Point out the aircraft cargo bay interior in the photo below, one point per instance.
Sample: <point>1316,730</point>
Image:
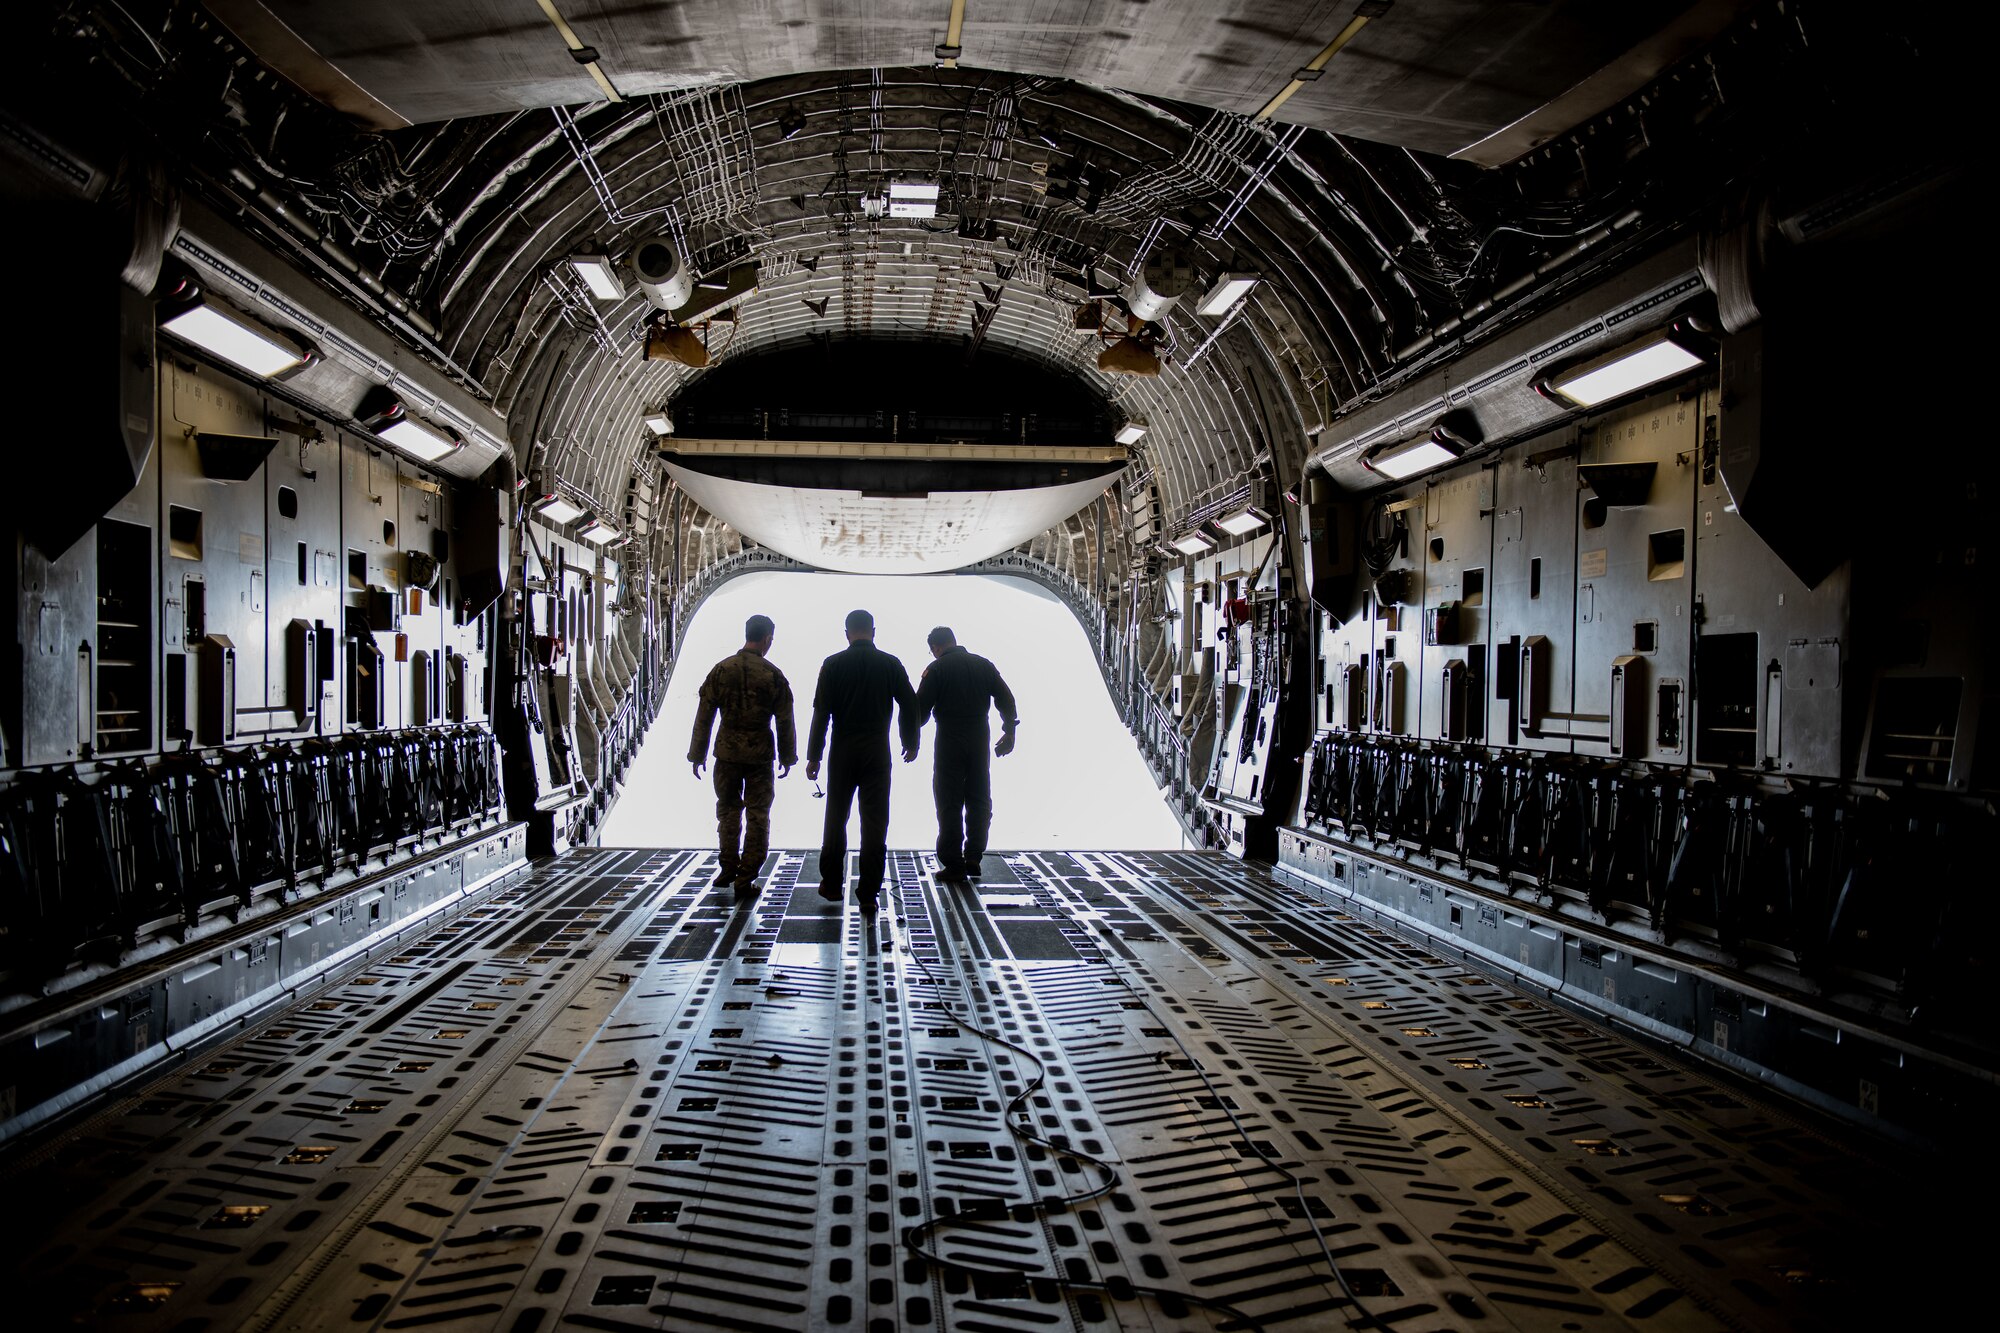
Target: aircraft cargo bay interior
<point>951,665</point>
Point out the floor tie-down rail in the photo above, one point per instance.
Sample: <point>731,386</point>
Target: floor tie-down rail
<point>1118,1090</point>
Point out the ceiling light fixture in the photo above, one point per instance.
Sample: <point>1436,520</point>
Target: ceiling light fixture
<point>1229,288</point>
<point>597,532</point>
<point>1242,522</point>
<point>912,199</point>
<point>660,424</point>
<point>1131,432</point>
<point>1193,542</point>
<point>557,510</point>
<point>391,421</point>
<point>1653,359</point>
<point>1399,462</point>
<point>238,339</point>
<point>600,275</point>
<point>420,439</point>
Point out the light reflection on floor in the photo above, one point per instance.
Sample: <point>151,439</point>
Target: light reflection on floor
<point>1076,780</point>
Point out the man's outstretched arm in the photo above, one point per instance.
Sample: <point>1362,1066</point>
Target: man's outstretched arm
<point>1003,700</point>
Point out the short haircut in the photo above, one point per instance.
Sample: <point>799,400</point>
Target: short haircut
<point>941,637</point>
<point>757,629</point>
<point>857,621</point>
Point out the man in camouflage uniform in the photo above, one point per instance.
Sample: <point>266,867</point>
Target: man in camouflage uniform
<point>751,694</point>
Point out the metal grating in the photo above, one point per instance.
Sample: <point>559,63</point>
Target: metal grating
<point>1146,1091</point>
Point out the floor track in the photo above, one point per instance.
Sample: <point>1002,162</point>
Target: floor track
<point>610,1099</point>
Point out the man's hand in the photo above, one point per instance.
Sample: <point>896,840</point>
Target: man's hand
<point>909,754</point>
<point>812,770</point>
<point>1006,745</point>
<point>699,765</point>
<point>784,770</point>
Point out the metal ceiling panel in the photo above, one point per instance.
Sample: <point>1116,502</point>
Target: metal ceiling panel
<point>1435,75</point>
<point>855,532</point>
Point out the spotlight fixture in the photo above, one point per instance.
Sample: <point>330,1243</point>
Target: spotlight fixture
<point>1243,521</point>
<point>1193,542</point>
<point>391,420</point>
<point>600,275</point>
<point>236,338</point>
<point>557,510</point>
<point>1160,283</point>
<point>1398,462</point>
<point>597,532</point>
<point>1659,356</point>
<point>660,423</point>
<point>1131,432</point>
<point>1229,288</point>
<point>912,199</point>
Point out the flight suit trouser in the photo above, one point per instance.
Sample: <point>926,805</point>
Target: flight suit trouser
<point>962,787</point>
<point>743,795</point>
<point>865,775</point>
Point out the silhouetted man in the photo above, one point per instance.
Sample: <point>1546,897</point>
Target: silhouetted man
<point>751,694</point>
<point>957,687</point>
<point>857,688</point>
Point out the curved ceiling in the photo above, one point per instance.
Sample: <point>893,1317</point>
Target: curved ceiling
<point>1435,75</point>
<point>760,133</point>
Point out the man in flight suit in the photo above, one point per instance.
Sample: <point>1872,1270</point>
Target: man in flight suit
<point>957,687</point>
<point>750,694</point>
<point>856,690</point>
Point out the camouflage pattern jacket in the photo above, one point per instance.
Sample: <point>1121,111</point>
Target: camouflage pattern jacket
<point>750,694</point>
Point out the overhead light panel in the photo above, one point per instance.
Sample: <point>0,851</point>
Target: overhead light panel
<point>238,339</point>
<point>420,439</point>
<point>912,199</point>
<point>1227,291</point>
<point>597,532</point>
<point>660,424</point>
<point>1399,462</point>
<point>1241,522</point>
<point>1193,542</point>
<point>1131,432</point>
<point>600,275</point>
<point>392,422</point>
<point>557,510</point>
<point>1659,356</point>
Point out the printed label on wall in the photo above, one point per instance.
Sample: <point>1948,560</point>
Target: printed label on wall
<point>1590,564</point>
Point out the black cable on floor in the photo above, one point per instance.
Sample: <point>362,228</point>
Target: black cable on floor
<point>1041,1207</point>
<point>1364,1319</point>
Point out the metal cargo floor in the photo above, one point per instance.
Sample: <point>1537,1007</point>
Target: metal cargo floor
<point>1106,1090</point>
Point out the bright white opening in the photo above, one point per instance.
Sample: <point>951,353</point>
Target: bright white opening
<point>1075,781</point>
